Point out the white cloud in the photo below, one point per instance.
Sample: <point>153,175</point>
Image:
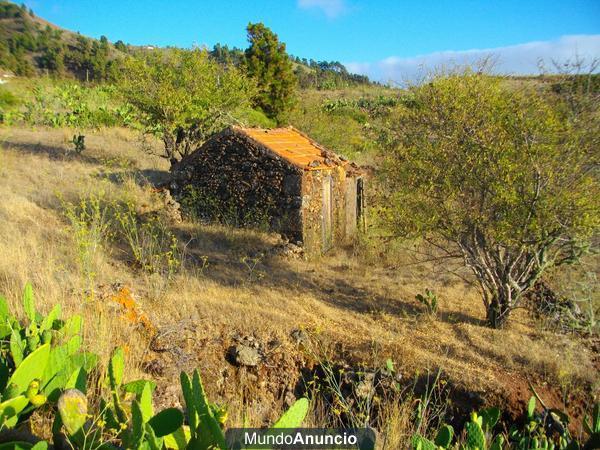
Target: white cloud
<point>521,59</point>
<point>331,8</point>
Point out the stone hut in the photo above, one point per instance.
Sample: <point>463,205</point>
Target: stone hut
<point>275,177</point>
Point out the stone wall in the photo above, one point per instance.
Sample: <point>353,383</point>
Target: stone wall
<point>344,221</point>
<point>240,182</point>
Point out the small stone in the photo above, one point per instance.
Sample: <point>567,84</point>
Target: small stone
<point>299,336</point>
<point>289,399</point>
<point>366,387</point>
<point>244,355</point>
<point>154,367</point>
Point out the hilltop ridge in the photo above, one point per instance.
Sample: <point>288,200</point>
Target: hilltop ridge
<point>31,45</point>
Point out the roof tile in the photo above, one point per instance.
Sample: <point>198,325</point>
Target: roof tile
<point>293,146</point>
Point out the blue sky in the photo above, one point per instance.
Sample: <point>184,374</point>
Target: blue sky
<point>385,39</point>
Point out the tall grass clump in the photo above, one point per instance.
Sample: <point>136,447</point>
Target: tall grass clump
<point>100,224</point>
<point>153,246</point>
<point>91,223</point>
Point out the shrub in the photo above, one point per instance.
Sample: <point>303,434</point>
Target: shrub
<point>500,178</point>
<point>91,224</point>
<point>152,245</point>
<point>7,98</point>
<point>98,221</point>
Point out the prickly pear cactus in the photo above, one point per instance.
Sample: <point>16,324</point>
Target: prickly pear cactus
<point>444,436</point>
<point>47,337</point>
<point>33,394</point>
<point>421,443</point>
<point>498,443</point>
<point>73,409</point>
<point>294,416</point>
<point>11,391</point>
<point>220,413</point>
<point>475,434</point>
<point>592,427</point>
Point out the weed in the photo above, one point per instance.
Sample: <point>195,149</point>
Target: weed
<point>429,300</point>
<point>351,397</point>
<point>91,221</point>
<point>153,247</point>
<point>78,142</point>
<point>251,263</point>
<point>432,405</point>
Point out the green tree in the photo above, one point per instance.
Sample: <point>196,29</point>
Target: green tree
<point>120,45</point>
<point>183,96</point>
<point>23,66</point>
<point>53,59</point>
<point>269,64</point>
<point>504,179</point>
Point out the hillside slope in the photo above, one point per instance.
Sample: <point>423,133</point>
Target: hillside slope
<point>30,45</point>
<point>353,309</point>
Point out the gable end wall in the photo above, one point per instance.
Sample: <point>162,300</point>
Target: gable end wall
<point>234,175</point>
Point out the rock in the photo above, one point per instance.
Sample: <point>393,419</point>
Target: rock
<point>171,397</point>
<point>289,399</point>
<point>288,250</point>
<point>365,389</point>
<point>300,336</point>
<point>244,355</point>
<point>172,207</point>
<point>154,367</point>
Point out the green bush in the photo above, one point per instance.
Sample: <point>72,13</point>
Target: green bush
<point>70,104</point>
<point>7,98</point>
<point>7,101</point>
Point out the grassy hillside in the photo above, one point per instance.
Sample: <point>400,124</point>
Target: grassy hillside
<point>85,218</point>
<point>30,45</point>
<point>356,308</point>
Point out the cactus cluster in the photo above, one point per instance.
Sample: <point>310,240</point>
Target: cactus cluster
<point>38,357</point>
<point>41,363</point>
<point>429,301</point>
<point>134,425</point>
<point>542,431</point>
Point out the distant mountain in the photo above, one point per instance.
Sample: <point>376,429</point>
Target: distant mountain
<point>30,45</point>
<point>311,74</point>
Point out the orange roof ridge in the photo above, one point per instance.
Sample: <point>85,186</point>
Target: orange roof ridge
<point>294,146</point>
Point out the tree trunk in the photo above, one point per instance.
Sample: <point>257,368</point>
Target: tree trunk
<point>501,304</point>
<point>504,273</point>
<point>170,148</point>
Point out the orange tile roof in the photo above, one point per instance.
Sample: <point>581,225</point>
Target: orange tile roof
<point>294,146</point>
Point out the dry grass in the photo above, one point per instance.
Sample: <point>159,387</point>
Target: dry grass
<point>361,311</point>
